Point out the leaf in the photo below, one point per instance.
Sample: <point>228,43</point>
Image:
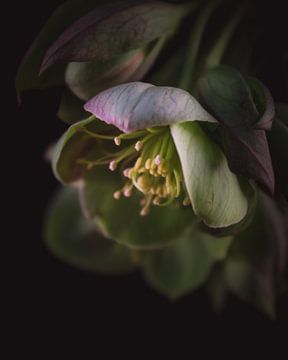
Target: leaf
<point>28,72</point>
<point>113,30</point>
<point>264,103</point>
<point>257,260</point>
<point>135,106</point>
<point>215,192</point>
<point>184,266</point>
<point>76,144</point>
<point>120,219</point>
<point>86,79</point>
<point>75,240</point>
<point>227,96</point>
<point>89,78</point>
<point>71,108</point>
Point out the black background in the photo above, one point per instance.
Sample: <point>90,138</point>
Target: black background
<point>47,292</point>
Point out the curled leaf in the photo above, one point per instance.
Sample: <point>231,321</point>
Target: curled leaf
<point>136,106</point>
<point>86,79</point>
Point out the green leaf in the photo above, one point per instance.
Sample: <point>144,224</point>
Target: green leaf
<point>86,79</point>
<point>28,72</point>
<point>120,219</point>
<point>215,192</point>
<point>228,97</point>
<point>78,242</point>
<point>185,265</point>
<point>256,263</point>
<point>71,108</point>
<point>108,32</point>
<point>74,145</point>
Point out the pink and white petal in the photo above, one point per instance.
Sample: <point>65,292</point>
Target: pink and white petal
<point>137,105</point>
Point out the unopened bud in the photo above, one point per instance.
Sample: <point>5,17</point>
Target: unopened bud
<point>148,164</point>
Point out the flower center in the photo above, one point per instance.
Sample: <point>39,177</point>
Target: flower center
<point>150,164</point>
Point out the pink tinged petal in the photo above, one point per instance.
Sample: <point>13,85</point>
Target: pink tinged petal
<point>137,105</point>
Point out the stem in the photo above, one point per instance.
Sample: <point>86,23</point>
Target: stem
<point>194,43</point>
<point>217,52</point>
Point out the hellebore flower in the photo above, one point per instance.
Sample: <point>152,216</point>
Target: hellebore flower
<point>171,159</point>
<point>167,182</point>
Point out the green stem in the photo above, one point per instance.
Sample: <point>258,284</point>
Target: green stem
<point>214,57</point>
<point>194,43</point>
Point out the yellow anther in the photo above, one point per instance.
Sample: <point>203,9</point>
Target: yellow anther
<point>144,182</point>
<point>138,164</point>
<point>142,170</point>
<point>153,166</point>
<point>158,190</point>
<point>159,172</point>
<point>163,167</point>
<point>148,164</point>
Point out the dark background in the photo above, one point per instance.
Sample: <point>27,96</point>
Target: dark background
<point>50,292</point>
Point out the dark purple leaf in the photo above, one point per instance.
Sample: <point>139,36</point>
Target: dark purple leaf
<point>28,72</point>
<point>112,30</point>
